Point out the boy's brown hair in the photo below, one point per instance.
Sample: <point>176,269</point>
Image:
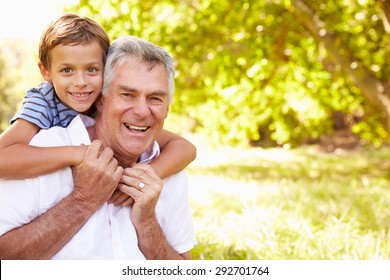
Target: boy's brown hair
<point>71,29</point>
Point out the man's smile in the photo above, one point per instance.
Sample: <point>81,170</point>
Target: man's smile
<point>136,128</point>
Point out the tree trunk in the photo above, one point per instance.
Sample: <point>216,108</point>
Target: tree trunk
<point>374,90</point>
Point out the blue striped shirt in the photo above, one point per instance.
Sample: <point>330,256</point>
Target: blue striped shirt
<point>42,107</point>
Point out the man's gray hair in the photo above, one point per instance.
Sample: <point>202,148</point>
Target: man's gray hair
<point>127,48</point>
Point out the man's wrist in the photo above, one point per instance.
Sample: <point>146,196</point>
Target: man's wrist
<point>84,208</point>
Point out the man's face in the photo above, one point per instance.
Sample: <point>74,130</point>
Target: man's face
<point>132,114</point>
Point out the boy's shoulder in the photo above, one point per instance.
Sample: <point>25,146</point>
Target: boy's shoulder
<point>45,89</point>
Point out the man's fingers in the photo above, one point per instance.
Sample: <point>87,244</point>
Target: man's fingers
<point>142,171</point>
<point>129,190</point>
<point>98,150</point>
<point>133,182</point>
<point>115,196</point>
<point>130,201</point>
<point>107,155</point>
<point>118,197</point>
<point>94,150</point>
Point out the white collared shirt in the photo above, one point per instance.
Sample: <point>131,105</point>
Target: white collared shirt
<point>109,232</point>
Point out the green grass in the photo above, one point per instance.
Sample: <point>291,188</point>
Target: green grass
<point>291,204</point>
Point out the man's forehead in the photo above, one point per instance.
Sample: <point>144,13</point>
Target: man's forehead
<point>139,65</point>
<point>138,62</point>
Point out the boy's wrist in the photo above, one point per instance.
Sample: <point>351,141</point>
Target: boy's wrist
<point>77,155</point>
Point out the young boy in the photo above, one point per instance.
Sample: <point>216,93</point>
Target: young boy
<point>72,53</point>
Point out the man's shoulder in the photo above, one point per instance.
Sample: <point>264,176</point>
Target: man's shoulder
<point>177,177</point>
<point>175,185</point>
<point>59,136</point>
<point>54,136</point>
<point>75,134</point>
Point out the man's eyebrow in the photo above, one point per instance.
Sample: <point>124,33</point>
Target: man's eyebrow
<point>130,89</point>
<point>126,88</point>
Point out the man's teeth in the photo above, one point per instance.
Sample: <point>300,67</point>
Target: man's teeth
<point>139,128</point>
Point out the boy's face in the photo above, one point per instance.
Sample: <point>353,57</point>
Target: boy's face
<point>76,72</point>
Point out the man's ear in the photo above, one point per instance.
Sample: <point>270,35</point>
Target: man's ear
<point>45,74</point>
<point>98,103</point>
<point>166,114</point>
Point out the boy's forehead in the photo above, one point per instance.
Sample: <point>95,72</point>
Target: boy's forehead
<point>91,49</point>
<point>87,44</point>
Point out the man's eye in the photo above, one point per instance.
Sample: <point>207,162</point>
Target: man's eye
<point>156,99</point>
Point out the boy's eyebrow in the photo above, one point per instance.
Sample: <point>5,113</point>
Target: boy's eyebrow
<point>89,63</point>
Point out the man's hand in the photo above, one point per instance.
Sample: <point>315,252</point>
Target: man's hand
<point>143,184</point>
<point>96,178</point>
<point>121,198</point>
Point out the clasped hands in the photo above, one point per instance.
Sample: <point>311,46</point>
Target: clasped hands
<point>99,178</point>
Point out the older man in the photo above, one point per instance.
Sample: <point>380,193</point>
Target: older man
<point>61,216</point>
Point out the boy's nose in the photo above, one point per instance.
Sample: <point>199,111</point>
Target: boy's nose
<point>79,80</point>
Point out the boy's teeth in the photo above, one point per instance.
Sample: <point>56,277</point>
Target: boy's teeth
<point>80,94</point>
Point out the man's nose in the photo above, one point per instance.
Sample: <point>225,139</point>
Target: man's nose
<point>141,107</point>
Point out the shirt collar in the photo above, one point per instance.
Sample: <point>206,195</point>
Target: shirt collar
<point>150,154</point>
<point>77,130</point>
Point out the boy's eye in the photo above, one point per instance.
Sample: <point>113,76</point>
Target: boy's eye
<point>92,70</point>
<point>66,70</point>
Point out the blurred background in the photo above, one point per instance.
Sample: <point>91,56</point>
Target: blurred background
<point>287,101</point>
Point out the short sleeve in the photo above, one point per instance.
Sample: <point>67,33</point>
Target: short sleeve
<point>35,109</point>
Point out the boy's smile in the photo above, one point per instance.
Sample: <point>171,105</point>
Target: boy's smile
<point>76,72</point>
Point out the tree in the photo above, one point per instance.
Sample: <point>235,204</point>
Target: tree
<point>367,76</point>
<point>5,86</point>
<point>16,76</point>
<point>266,71</point>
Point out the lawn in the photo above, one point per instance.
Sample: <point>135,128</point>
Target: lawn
<point>302,204</point>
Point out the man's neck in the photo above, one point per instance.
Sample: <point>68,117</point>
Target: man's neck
<point>94,135</point>
<point>91,132</point>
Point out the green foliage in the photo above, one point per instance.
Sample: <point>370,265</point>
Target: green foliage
<point>4,86</point>
<point>291,204</point>
<point>249,70</point>
<point>18,73</point>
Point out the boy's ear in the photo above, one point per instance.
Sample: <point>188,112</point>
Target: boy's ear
<point>45,74</point>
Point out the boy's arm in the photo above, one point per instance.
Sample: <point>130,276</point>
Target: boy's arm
<point>95,179</point>
<point>19,160</point>
<point>176,154</point>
